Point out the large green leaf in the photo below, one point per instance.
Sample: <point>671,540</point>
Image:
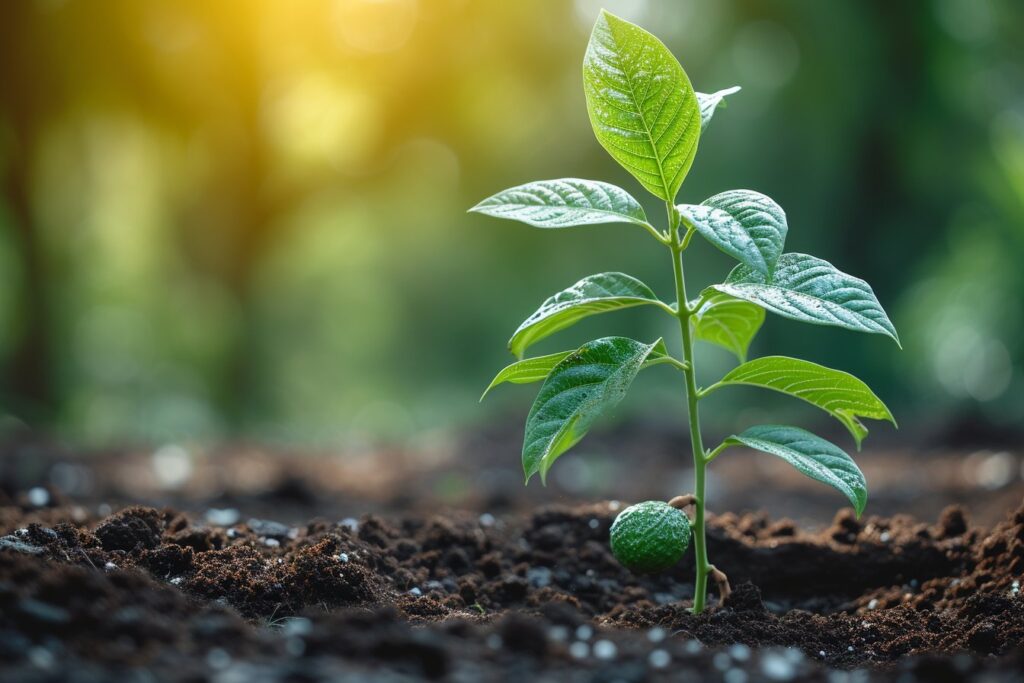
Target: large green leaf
<point>811,290</point>
<point>727,322</point>
<point>838,393</point>
<point>744,224</point>
<point>591,295</point>
<point>582,387</point>
<point>811,455</point>
<point>564,203</point>
<point>641,104</point>
<point>709,102</point>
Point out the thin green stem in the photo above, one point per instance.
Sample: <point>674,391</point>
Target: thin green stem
<point>703,567</point>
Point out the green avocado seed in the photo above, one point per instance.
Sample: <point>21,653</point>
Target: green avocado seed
<point>650,536</point>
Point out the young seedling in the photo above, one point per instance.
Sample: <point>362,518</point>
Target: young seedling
<point>646,114</point>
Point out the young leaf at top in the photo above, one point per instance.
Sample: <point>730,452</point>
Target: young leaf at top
<point>811,290</point>
<point>838,393</point>
<point>811,455</point>
<point>564,203</point>
<point>641,104</point>
<point>727,322</point>
<point>582,387</point>
<point>709,102</point>
<point>744,224</point>
<point>591,295</point>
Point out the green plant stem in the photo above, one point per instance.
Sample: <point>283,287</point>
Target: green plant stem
<point>703,567</point>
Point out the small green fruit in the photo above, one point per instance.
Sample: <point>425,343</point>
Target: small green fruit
<point>650,536</point>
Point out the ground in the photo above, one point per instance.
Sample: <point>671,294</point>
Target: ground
<point>251,565</point>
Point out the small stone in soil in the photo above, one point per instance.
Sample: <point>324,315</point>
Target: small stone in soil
<point>38,497</point>
<point>605,649</point>
<point>350,523</point>
<point>415,591</point>
<point>222,516</point>
<point>342,557</point>
<point>579,650</point>
<point>659,659</point>
<point>487,519</point>
<point>777,667</point>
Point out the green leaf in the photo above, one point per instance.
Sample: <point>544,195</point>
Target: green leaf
<point>531,370</point>
<point>582,387</point>
<point>727,322</point>
<point>811,290</point>
<point>811,455</point>
<point>564,203</point>
<point>709,102</point>
<point>838,393</point>
<point>641,104</point>
<point>591,295</point>
<point>744,224</point>
<point>526,371</point>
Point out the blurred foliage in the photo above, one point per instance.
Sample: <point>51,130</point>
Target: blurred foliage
<point>248,217</point>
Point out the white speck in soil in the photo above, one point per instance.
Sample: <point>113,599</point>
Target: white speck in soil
<point>38,497</point>
<point>884,537</point>
<point>594,523</point>
<point>487,519</point>
<point>865,624</point>
<point>739,652</point>
<point>721,661</point>
<point>350,523</point>
<point>218,659</point>
<point>605,649</point>
<point>1015,588</point>
<point>22,532</point>
<point>693,647</point>
<point>297,626</point>
<point>614,505</point>
<point>656,634</point>
<point>177,580</point>
<point>110,566</point>
<point>659,659</point>
<point>584,632</point>
<point>271,542</point>
<point>538,577</point>
<point>232,533</point>
<point>40,657</point>
<point>777,667</point>
<point>735,676</point>
<point>849,648</point>
<point>579,650</point>
<point>293,533</point>
<point>415,591</point>
<point>873,604</point>
<point>342,557</point>
<point>494,641</point>
<point>821,653</point>
<point>295,647</point>
<point>222,516</point>
<point>591,573</point>
<point>558,633</point>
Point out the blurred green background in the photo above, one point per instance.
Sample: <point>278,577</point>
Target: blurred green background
<point>246,219</point>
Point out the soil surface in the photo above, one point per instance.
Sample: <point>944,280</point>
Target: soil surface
<point>246,565</point>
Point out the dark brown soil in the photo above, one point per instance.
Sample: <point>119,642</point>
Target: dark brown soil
<point>146,594</point>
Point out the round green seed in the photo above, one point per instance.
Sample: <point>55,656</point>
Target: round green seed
<point>650,536</point>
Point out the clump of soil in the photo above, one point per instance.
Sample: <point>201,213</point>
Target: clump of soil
<point>467,598</point>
